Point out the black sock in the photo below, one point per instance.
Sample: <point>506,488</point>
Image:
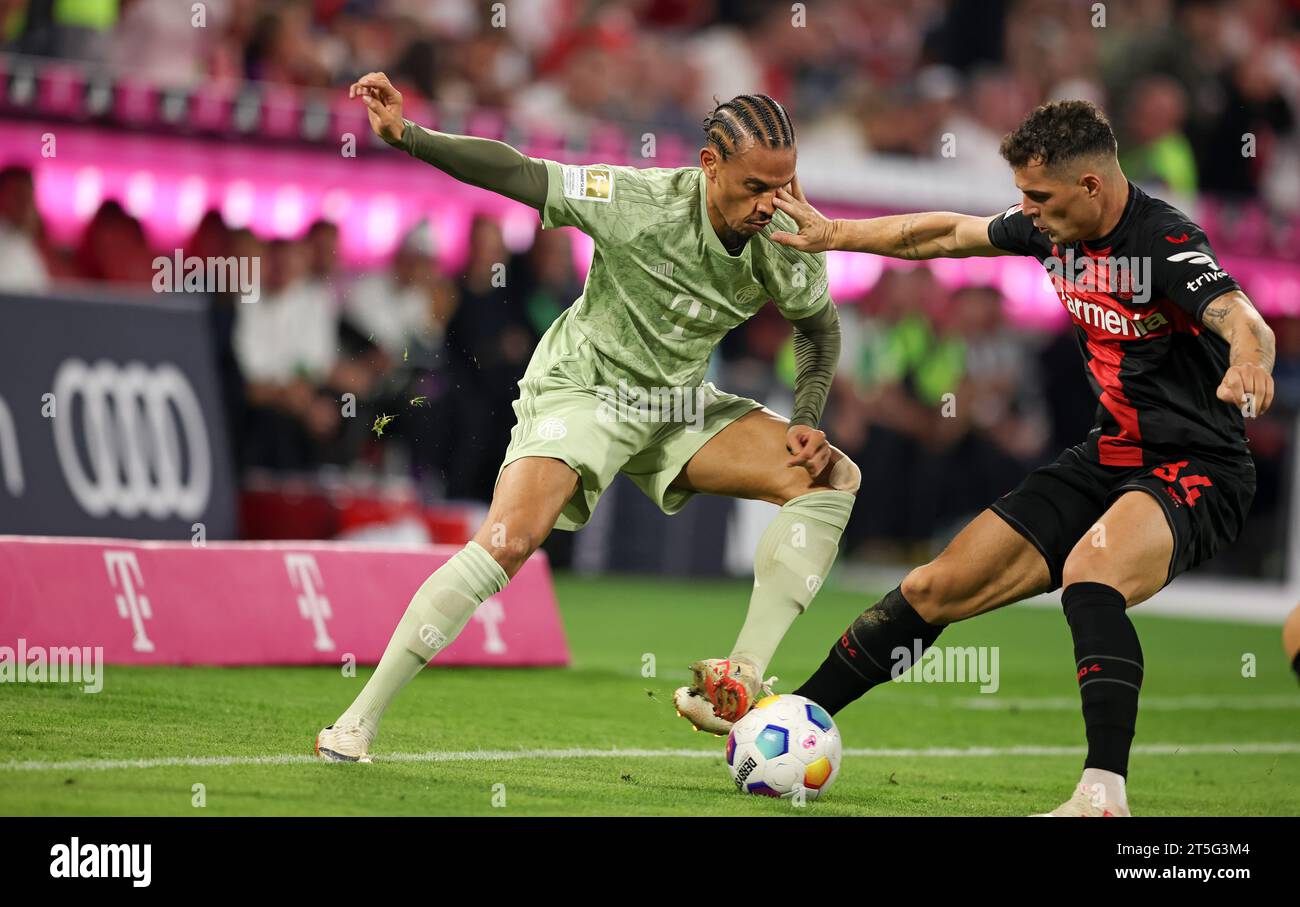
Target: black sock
<point>864,655</point>
<point>1295,665</point>
<point>1108,664</point>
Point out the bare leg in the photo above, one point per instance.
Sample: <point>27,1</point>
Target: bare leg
<point>748,459</point>
<point>986,566</point>
<point>1135,562</point>
<point>525,505</point>
<point>529,496</point>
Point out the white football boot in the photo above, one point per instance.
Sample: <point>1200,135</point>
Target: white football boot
<point>1089,801</point>
<point>695,707</point>
<point>723,692</point>
<point>343,743</point>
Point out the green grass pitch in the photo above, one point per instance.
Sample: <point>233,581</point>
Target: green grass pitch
<point>1213,742</point>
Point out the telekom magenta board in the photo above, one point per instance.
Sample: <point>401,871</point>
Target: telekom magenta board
<point>253,603</point>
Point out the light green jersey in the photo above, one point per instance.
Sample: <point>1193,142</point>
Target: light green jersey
<point>662,290</point>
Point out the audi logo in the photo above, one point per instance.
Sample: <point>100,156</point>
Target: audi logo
<point>131,423</point>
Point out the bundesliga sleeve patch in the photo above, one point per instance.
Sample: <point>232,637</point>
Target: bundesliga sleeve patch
<point>593,184</point>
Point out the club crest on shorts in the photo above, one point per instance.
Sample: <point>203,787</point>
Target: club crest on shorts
<point>552,429</point>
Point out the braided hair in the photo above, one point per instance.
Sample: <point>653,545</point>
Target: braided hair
<point>754,117</point>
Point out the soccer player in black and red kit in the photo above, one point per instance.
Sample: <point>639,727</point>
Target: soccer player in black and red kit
<point>1178,358</point>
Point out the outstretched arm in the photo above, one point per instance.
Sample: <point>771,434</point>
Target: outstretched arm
<point>816,354</point>
<point>483,163</point>
<point>935,234</point>
<point>1248,382</point>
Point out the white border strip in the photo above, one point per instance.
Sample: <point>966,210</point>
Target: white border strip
<point>1148,749</point>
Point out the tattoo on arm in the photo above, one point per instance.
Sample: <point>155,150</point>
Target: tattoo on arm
<point>1222,317</point>
<point>1216,314</point>
<point>907,238</point>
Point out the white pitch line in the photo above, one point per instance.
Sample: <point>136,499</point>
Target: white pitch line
<point>1139,749</point>
<point>1144,749</point>
<point>1149,703</point>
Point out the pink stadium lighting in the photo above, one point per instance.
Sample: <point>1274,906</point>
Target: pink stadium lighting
<point>170,182</point>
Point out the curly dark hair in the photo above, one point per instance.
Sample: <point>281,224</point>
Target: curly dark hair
<point>748,116</point>
<point>1058,133</point>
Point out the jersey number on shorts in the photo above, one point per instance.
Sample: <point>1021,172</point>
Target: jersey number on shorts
<point>1191,484</point>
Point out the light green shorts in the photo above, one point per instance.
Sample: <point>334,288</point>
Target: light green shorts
<point>564,412</point>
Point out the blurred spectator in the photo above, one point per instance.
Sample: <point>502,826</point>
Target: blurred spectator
<point>490,341</point>
<point>322,245</point>
<point>995,104</point>
<point>158,42</point>
<point>546,279</point>
<point>1239,145</point>
<point>933,389</point>
<point>287,347</point>
<point>212,239</point>
<point>404,310</point>
<point>998,428</point>
<point>402,313</point>
<point>1157,154</point>
<point>114,248</point>
<point>283,48</point>
<point>1286,372</point>
<point>23,267</point>
<point>881,413</point>
<point>291,331</point>
<point>81,30</point>
<point>1001,383</point>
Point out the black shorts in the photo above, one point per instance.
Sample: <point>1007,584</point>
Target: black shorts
<point>1204,501</point>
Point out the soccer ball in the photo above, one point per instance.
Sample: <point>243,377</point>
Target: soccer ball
<point>785,743</point>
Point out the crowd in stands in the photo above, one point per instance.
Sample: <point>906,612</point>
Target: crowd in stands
<point>1184,80</point>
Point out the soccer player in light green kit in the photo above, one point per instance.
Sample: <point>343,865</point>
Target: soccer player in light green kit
<point>681,257</point>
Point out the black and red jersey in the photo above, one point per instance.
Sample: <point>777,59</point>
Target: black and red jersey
<point>1136,296</point>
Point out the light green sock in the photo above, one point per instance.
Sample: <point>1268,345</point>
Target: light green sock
<point>793,557</point>
<point>437,613</point>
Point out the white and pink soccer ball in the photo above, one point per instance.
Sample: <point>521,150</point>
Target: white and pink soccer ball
<point>785,743</point>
